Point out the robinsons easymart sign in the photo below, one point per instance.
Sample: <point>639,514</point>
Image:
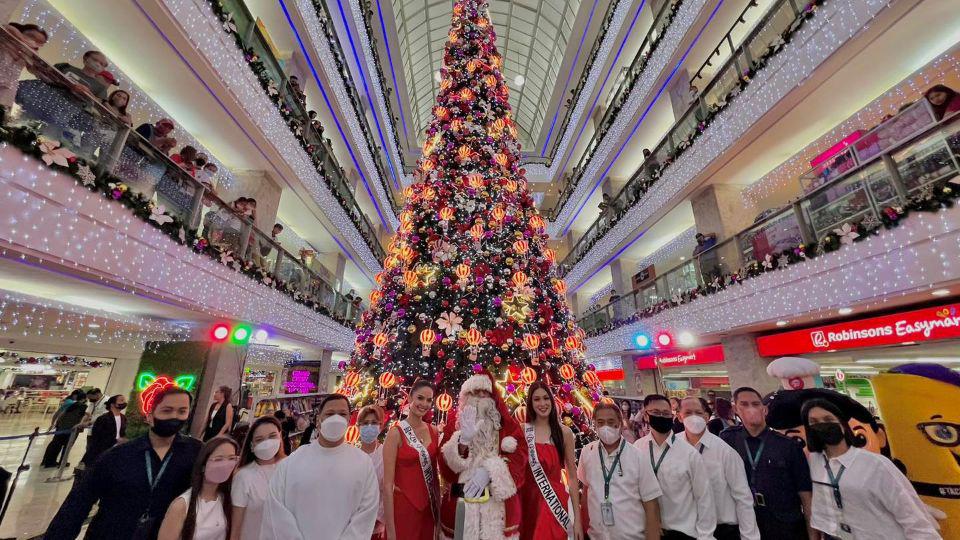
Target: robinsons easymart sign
<point>942,322</point>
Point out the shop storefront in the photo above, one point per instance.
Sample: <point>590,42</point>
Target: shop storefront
<point>686,372</point>
<point>34,383</point>
<point>851,353</point>
<point>298,390</point>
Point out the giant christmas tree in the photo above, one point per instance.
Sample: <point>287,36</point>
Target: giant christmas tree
<point>469,282</point>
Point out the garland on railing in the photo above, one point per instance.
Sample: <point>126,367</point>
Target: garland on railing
<point>273,91</point>
<point>745,78</point>
<point>931,198</point>
<point>111,187</point>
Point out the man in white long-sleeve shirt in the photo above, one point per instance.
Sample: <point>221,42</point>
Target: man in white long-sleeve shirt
<point>686,506</point>
<point>326,489</point>
<point>731,491</point>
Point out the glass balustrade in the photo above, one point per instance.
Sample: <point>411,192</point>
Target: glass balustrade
<point>292,99</point>
<point>851,191</point>
<point>727,79</point>
<point>68,118</point>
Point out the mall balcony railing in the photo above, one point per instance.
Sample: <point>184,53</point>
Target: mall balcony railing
<point>585,73</point>
<point>58,109</point>
<point>779,19</point>
<point>619,94</point>
<point>897,161</point>
<point>253,41</point>
<point>339,58</point>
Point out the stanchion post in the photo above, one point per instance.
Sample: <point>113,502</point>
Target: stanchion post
<point>58,477</point>
<point>23,467</point>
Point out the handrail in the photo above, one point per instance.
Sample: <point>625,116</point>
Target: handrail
<point>647,47</point>
<point>727,38</point>
<point>339,58</point>
<point>584,74</point>
<point>619,311</point>
<point>109,161</point>
<point>251,40</point>
<point>679,137</point>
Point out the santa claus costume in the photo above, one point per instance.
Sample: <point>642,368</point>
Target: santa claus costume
<point>494,441</point>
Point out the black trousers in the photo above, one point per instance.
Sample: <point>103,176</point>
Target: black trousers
<point>55,449</point>
<point>726,531</point>
<point>675,535</point>
<point>772,528</point>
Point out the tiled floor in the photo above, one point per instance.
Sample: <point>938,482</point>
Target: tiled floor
<point>35,499</point>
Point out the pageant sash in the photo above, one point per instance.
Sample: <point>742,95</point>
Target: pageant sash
<point>556,507</point>
<point>425,466</point>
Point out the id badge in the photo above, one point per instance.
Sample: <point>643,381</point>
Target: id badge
<point>759,499</point>
<point>606,511</point>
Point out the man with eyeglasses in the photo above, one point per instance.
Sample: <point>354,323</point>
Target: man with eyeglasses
<point>777,471</point>
<point>687,510</point>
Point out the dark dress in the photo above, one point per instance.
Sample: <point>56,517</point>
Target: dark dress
<point>215,421</point>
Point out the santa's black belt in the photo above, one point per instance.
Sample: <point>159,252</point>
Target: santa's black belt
<point>456,491</point>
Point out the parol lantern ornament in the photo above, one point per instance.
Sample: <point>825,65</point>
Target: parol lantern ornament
<point>591,378</point>
<point>490,81</point>
<point>520,413</point>
<point>444,402</point>
<point>477,232</point>
<point>567,372</point>
<point>573,343</point>
<point>388,380</point>
<point>499,213</point>
<point>463,272</point>
<point>475,180</point>
<point>427,338</point>
<point>528,375</point>
<point>353,434</point>
<point>531,342</point>
<point>375,297</point>
<point>536,222</point>
<point>519,279</point>
<point>474,338</point>
<point>560,286</point>
<point>550,255</point>
<point>446,214</point>
<point>410,279</point>
<point>521,246</point>
<point>379,341</point>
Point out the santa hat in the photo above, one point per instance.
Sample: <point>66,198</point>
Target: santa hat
<point>509,428</point>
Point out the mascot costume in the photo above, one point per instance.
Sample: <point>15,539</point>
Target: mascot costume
<point>483,460</point>
<point>920,404</point>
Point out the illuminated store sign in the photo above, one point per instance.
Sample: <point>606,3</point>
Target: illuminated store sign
<point>928,324</point>
<point>712,354</point>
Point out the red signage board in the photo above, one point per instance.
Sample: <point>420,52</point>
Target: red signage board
<point>711,354</point>
<point>930,324</point>
<point>610,375</point>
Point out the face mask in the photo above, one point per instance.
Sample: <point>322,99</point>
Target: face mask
<point>369,433</point>
<point>609,435</point>
<point>266,449</point>
<point>167,427</point>
<point>695,424</point>
<point>661,424</point>
<point>829,432</point>
<point>121,406</point>
<point>333,428</point>
<point>218,472</point>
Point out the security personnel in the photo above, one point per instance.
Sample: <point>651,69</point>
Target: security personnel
<point>777,471</point>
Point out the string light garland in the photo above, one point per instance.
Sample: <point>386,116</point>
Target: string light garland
<point>52,360</point>
<point>204,30</point>
<point>272,355</point>
<point>681,242</point>
<point>469,282</point>
<point>910,89</point>
<point>50,214</point>
<point>915,257</point>
<point>835,24</point>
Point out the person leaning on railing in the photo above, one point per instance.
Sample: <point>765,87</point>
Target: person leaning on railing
<point>12,62</point>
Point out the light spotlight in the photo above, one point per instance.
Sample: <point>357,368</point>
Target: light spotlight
<point>664,339</point>
<point>845,310</point>
<point>686,339</point>
<point>941,292</point>
<point>642,341</point>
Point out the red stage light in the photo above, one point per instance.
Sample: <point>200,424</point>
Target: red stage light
<point>220,332</point>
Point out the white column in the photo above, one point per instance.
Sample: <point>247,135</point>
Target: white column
<point>745,367</point>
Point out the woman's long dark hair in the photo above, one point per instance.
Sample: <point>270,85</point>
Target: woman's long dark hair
<point>109,100</point>
<point>939,110</point>
<point>556,432</point>
<point>246,454</point>
<point>814,442</point>
<point>196,482</point>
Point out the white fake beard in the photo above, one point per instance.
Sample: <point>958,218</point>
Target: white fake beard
<point>487,439</point>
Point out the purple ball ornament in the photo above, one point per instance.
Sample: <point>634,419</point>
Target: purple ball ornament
<point>477,369</point>
<point>576,411</point>
<point>342,365</point>
<point>567,387</point>
<point>401,312</point>
<point>510,388</point>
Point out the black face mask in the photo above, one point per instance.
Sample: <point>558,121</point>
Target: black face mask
<point>121,406</point>
<point>167,427</point>
<point>661,424</point>
<point>829,432</point>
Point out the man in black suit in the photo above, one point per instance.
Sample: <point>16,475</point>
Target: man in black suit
<point>109,429</point>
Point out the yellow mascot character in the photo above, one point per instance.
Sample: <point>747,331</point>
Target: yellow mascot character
<point>920,405</point>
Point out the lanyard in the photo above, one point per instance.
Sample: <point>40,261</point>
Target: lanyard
<point>835,481</point>
<point>754,460</point>
<point>608,475</point>
<point>163,467</point>
<point>656,466</point>
<point>701,448</point>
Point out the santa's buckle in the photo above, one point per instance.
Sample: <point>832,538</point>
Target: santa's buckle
<point>481,499</point>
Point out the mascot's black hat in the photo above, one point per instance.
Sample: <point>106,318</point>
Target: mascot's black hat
<point>783,406</point>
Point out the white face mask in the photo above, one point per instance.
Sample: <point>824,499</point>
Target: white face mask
<point>695,424</point>
<point>333,428</point>
<point>608,434</point>
<point>266,449</point>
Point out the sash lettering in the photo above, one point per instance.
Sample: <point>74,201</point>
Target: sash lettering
<point>425,466</point>
<point>556,507</point>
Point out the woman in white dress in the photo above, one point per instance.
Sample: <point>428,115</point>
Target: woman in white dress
<point>262,450</point>
<point>203,512</point>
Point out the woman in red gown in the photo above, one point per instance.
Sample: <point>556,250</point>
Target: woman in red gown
<point>410,503</point>
<point>555,452</point>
